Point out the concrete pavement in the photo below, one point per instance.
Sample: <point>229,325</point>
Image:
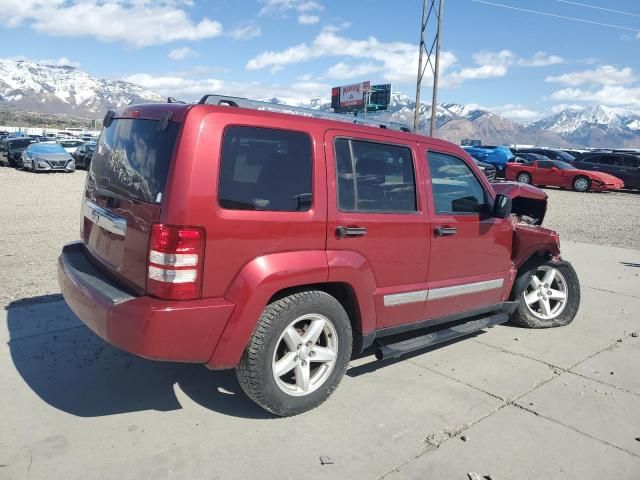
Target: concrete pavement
<point>531,404</point>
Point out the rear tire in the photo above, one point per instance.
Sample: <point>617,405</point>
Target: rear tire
<point>524,177</point>
<point>551,297</point>
<point>581,184</point>
<point>297,354</point>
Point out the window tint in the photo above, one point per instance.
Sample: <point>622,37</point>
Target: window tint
<point>592,159</point>
<point>609,160</point>
<point>455,188</point>
<point>545,164</point>
<point>265,169</point>
<point>374,177</point>
<point>133,157</point>
<point>629,161</point>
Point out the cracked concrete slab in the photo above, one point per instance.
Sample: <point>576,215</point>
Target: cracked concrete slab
<point>509,376</point>
<point>591,407</point>
<point>515,444</point>
<point>603,318</point>
<point>615,359</point>
<point>153,415</point>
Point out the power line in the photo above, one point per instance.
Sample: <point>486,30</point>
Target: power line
<point>619,27</point>
<point>600,8</point>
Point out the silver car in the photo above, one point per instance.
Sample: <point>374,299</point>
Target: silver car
<point>47,157</point>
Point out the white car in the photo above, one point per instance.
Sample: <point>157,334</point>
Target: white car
<point>70,145</point>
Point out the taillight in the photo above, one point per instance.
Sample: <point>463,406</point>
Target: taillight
<point>176,256</point>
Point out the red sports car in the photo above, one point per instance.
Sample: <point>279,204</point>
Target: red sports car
<point>561,174</point>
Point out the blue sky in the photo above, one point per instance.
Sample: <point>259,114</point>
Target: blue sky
<point>520,64</point>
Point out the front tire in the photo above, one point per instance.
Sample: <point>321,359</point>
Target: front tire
<point>550,299</point>
<point>581,184</point>
<point>297,354</point>
<point>524,178</point>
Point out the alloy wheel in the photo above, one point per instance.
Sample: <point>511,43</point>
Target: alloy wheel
<point>305,355</point>
<point>547,293</point>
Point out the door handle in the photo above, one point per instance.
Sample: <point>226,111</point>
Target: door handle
<point>342,232</point>
<point>445,231</point>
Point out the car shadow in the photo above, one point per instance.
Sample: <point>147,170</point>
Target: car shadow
<point>73,370</point>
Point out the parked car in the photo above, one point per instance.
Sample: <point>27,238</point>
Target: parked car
<point>523,157</point>
<point>487,169</point>
<point>625,166</point>
<point>50,157</point>
<point>12,149</point>
<point>70,145</point>
<point>496,156</point>
<point>561,174</point>
<point>278,244</point>
<point>83,155</point>
<point>550,153</point>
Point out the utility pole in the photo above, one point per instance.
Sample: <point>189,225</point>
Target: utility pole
<point>423,27</point>
<point>434,64</point>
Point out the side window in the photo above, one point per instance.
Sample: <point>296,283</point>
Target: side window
<point>265,169</point>
<point>629,161</point>
<point>593,159</point>
<point>545,164</point>
<point>456,190</point>
<point>609,160</point>
<point>374,177</point>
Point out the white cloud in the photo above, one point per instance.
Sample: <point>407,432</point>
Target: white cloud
<point>490,65</point>
<point>397,61</point>
<point>516,112</point>
<point>563,106</point>
<point>541,59</point>
<point>343,70</point>
<point>306,19</point>
<point>186,88</point>
<point>617,95</point>
<point>181,53</point>
<point>603,75</point>
<point>307,10</point>
<point>136,22</point>
<point>246,32</point>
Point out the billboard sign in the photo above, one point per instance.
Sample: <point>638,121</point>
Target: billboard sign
<point>353,95</point>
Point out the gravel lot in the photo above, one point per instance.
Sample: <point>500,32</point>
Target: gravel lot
<point>40,213</point>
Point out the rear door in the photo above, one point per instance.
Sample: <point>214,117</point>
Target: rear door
<point>470,257</point>
<point>124,192</point>
<point>630,171</point>
<point>375,211</point>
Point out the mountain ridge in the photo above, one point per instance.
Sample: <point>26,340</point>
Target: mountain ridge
<point>52,89</point>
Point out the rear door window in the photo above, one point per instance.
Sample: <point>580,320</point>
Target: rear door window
<point>265,169</point>
<point>629,162</point>
<point>132,158</point>
<point>374,177</point>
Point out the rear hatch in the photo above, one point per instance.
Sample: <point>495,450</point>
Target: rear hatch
<point>124,189</point>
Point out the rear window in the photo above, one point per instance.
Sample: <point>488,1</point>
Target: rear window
<point>132,158</point>
<point>21,143</point>
<point>265,169</point>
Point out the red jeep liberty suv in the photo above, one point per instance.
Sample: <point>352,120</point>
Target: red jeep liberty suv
<point>278,243</point>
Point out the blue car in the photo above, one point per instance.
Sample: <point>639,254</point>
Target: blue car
<point>496,156</point>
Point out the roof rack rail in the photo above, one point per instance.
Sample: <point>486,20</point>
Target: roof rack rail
<point>241,102</point>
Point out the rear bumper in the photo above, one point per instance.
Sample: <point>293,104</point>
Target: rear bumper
<point>161,330</point>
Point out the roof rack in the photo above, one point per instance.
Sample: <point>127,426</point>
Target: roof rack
<point>240,102</point>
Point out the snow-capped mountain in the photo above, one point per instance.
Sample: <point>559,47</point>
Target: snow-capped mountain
<point>31,86</point>
<point>597,125</point>
<point>66,90</point>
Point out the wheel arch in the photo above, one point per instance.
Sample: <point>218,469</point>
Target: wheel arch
<point>271,277</point>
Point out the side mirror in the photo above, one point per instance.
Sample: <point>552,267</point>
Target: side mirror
<point>502,206</point>
<point>554,169</point>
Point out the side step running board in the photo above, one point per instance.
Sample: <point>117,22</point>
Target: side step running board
<point>393,350</point>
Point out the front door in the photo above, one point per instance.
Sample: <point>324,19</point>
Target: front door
<point>470,260</point>
<point>377,218</point>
